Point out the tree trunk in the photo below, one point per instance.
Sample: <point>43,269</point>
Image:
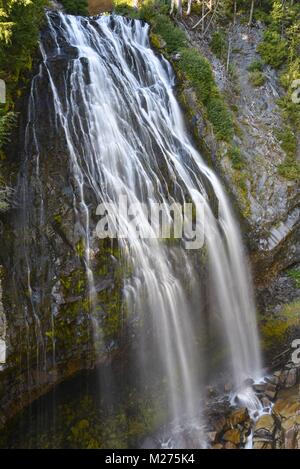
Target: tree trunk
<point>251,13</point>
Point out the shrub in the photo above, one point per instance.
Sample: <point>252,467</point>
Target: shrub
<point>235,155</point>
<point>255,66</point>
<point>288,141</point>
<point>273,49</point>
<point>76,7</point>
<point>289,169</point>
<point>7,122</point>
<point>257,78</point>
<point>174,37</point>
<point>218,44</point>
<point>220,117</point>
<point>198,71</point>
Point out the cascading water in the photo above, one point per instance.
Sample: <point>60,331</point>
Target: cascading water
<point>125,134</point>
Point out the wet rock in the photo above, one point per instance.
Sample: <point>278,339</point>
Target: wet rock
<point>290,439</point>
<point>284,408</point>
<point>237,417</point>
<point>217,446</point>
<point>265,427</point>
<point>211,437</point>
<point>291,422</point>
<point>271,391</point>
<point>219,424</point>
<point>228,387</point>
<point>259,388</point>
<point>291,378</point>
<point>248,382</point>
<point>266,403</point>
<point>176,57</point>
<point>229,445</point>
<point>211,391</point>
<point>278,439</point>
<point>233,436</point>
<point>259,444</point>
<point>273,380</point>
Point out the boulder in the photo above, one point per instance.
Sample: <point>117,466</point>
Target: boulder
<point>271,391</point>
<point>297,445</point>
<point>219,424</point>
<point>260,444</point>
<point>229,445</point>
<point>237,417</point>
<point>233,436</point>
<point>286,408</point>
<point>290,439</point>
<point>228,387</point>
<point>260,387</point>
<point>291,378</point>
<point>265,427</point>
<point>211,437</point>
<point>266,403</point>
<point>217,446</point>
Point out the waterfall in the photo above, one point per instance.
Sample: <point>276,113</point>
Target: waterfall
<point>114,105</point>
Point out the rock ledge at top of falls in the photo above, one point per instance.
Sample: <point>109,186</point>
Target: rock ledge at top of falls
<point>268,203</point>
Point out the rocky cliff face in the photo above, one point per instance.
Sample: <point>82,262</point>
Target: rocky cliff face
<point>45,293</point>
<point>268,203</point>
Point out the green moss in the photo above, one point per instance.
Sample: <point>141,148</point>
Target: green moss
<point>80,247</point>
<point>295,275</point>
<point>240,181</point>
<point>58,218</point>
<point>274,330</point>
<point>85,418</point>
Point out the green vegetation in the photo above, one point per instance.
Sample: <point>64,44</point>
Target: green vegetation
<point>256,75</point>
<point>280,48</point>
<point>273,49</point>
<point>75,7</point>
<point>235,156</point>
<point>85,421</point>
<point>257,78</point>
<point>287,141</point>
<point>20,21</point>
<point>275,330</point>
<point>295,275</point>
<point>173,37</point>
<point>290,168</point>
<point>218,44</point>
<point>256,66</point>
